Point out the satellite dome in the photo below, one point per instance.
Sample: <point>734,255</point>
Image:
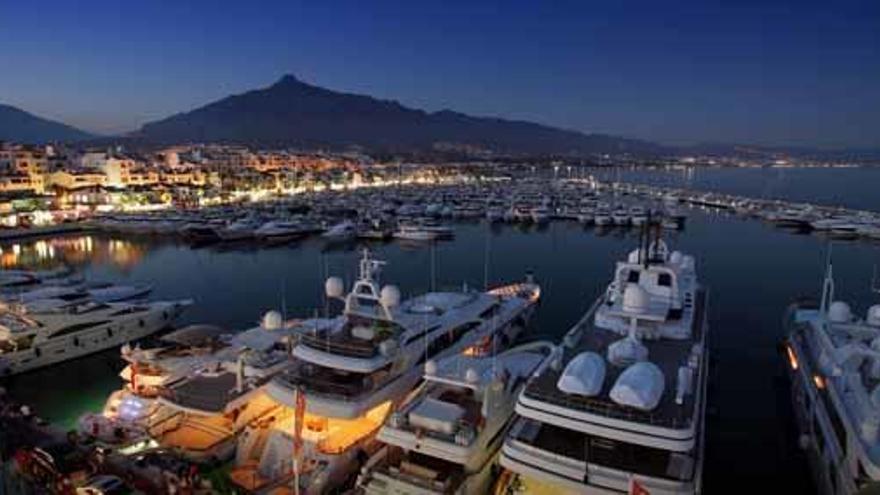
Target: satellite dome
<point>839,312</point>
<point>272,320</point>
<point>431,367</point>
<point>873,318</point>
<point>471,376</point>
<point>390,296</point>
<point>334,287</point>
<point>676,257</point>
<point>635,299</point>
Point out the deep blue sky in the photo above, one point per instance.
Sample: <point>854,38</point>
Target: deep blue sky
<point>766,72</point>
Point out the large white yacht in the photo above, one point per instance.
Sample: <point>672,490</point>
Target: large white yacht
<point>623,410</point>
<point>446,438</point>
<point>348,377</point>
<point>169,369</point>
<point>834,363</point>
<point>31,339</point>
<point>201,414</point>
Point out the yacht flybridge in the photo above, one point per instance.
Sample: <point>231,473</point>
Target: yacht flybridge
<point>834,362</point>
<point>446,438</point>
<point>623,409</point>
<point>31,338</point>
<point>348,377</point>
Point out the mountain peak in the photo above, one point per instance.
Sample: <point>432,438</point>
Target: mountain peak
<point>288,80</point>
<point>294,113</point>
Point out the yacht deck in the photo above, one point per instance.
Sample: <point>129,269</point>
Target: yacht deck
<point>667,354</point>
<point>206,393</point>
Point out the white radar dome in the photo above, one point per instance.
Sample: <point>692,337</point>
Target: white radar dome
<point>676,257</point>
<point>635,299</point>
<point>390,296</point>
<point>839,312</point>
<point>431,367</point>
<point>334,287</point>
<point>272,320</point>
<point>873,318</point>
<point>471,376</point>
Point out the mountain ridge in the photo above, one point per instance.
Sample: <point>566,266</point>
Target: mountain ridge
<point>292,112</point>
<point>22,126</point>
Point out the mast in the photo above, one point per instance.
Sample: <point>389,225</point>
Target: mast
<point>827,285</point>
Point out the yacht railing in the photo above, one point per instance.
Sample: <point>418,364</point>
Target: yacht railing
<point>607,409</point>
<point>328,344</point>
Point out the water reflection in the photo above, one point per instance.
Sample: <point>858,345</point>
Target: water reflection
<point>73,251</point>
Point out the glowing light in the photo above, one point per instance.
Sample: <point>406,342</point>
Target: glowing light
<point>819,381</point>
<point>792,359</point>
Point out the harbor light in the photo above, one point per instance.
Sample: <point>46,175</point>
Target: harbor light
<point>792,358</point>
<point>819,381</point>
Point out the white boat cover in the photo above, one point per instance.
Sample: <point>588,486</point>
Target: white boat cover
<point>436,415</point>
<point>584,375</point>
<point>640,386</point>
<point>627,351</point>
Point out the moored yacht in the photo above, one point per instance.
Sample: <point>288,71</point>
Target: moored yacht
<point>412,232</point>
<point>623,409</point>
<point>201,414</point>
<point>34,339</point>
<point>446,438</point>
<point>348,377</point>
<point>342,231</point>
<point>834,363</point>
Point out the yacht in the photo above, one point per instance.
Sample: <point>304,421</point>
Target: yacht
<point>342,231</point>
<point>348,377</point>
<point>279,231</point>
<point>239,230</point>
<point>34,339</point>
<point>603,217</point>
<point>620,216</point>
<point>623,410</point>
<point>494,214</point>
<point>446,438</point>
<point>834,363</point>
<point>638,216</point>
<point>411,232</point>
<point>540,215</point>
<point>201,415</point>
<point>179,357</point>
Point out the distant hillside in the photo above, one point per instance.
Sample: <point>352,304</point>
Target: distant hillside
<point>293,113</point>
<point>775,152</point>
<point>18,125</point>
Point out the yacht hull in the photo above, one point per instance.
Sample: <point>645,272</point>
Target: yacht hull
<point>90,341</point>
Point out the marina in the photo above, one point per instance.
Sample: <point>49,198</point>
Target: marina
<point>235,284</point>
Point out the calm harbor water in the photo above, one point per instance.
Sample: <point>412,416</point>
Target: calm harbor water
<point>753,270</point>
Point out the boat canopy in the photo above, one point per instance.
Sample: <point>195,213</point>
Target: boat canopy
<point>584,375</point>
<point>640,386</point>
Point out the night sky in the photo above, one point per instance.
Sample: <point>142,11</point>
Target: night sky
<point>764,72</point>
